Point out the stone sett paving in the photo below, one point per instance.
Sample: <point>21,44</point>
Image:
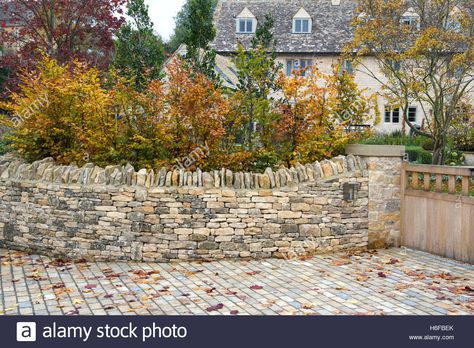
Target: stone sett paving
<point>388,282</point>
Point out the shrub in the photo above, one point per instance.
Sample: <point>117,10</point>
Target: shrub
<point>60,112</point>
<point>4,145</point>
<point>395,138</point>
<point>76,115</point>
<point>428,144</point>
<point>425,157</point>
<point>414,153</point>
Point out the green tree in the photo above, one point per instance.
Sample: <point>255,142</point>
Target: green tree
<point>139,52</point>
<point>257,72</point>
<point>195,28</point>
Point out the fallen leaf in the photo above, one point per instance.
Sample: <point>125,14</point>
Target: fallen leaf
<point>234,312</point>
<point>393,261</point>
<point>215,308</point>
<point>256,287</point>
<point>253,273</point>
<point>340,262</point>
<point>382,275</point>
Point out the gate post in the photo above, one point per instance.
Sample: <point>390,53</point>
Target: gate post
<point>384,170</point>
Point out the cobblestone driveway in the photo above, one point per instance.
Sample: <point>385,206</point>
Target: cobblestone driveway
<point>387,282</point>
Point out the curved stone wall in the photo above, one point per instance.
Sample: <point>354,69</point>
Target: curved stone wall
<point>115,213</point>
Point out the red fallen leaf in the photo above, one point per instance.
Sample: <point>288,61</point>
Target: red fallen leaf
<point>108,308</point>
<point>215,308</point>
<point>234,312</point>
<point>231,293</point>
<point>441,297</point>
<point>469,288</point>
<point>253,273</point>
<point>256,287</point>
<point>393,261</point>
<point>59,286</point>
<point>210,290</point>
<point>382,275</point>
<point>108,296</point>
<point>90,286</point>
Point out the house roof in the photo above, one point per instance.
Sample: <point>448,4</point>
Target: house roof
<point>330,24</point>
<point>224,67</point>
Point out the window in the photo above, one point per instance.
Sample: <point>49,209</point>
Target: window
<point>392,115</point>
<point>411,21</point>
<point>347,67</point>
<point>412,114</point>
<point>396,65</point>
<point>302,22</point>
<point>297,65</point>
<point>246,26</point>
<point>301,26</point>
<point>246,22</point>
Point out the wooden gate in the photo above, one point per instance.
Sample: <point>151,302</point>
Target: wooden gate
<point>437,210</point>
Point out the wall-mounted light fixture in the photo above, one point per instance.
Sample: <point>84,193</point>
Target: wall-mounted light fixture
<point>350,190</point>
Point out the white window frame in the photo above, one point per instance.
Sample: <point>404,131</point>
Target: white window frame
<point>391,110</point>
<point>412,21</point>
<point>310,26</point>
<point>246,20</point>
<point>416,114</point>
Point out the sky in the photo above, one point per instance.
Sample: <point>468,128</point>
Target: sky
<point>162,13</point>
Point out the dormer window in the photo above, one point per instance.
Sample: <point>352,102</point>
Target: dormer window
<point>246,26</point>
<point>411,18</point>
<point>302,22</point>
<point>246,22</point>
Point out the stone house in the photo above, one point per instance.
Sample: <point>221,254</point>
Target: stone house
<point>8,24</point>
<point>308,32</point>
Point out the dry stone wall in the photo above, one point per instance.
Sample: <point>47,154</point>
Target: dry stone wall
<point>115,213</point>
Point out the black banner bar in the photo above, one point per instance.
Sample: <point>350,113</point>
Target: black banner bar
<point>239,331</point>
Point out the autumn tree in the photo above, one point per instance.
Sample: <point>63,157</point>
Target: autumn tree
<point>60,111</point>
<point>315,111</point>
<point>425,52</point>
<point>63,29</point>
<point>257,72</point>
<point>139,52</point>
<point>195,110</point>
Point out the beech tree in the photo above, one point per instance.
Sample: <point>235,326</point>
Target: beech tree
<point>425,51</point>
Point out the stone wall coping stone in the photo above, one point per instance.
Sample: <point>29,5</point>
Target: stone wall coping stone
<point>50,176</point>
<point>375,150</point>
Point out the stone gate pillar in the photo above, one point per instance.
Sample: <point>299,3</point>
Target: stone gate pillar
<point>384,164</point>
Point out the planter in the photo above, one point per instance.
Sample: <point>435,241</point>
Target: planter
<point>469,158</point>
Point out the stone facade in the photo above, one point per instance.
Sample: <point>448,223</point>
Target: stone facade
<point>115,213</point>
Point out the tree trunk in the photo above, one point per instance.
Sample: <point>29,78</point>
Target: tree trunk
<point>438,151</point>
